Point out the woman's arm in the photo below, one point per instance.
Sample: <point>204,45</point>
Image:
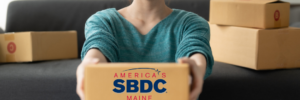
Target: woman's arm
<point>198,72</point>
<point>200,61</point>
<point>195,49</point>
<point>93,56</point>
<point>99,46</point>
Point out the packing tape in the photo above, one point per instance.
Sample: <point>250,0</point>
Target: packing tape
<point>9,37</point>
<point>10,58</point>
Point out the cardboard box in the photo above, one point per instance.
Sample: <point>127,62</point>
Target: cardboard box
<point>36,46</point>
<point>263,14</point>
<point>137,81</point>
<point>259,49</point>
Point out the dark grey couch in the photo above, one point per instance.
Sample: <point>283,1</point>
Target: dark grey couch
<point>1,30</point>
<point>56,80</point>
<point>295,16</point>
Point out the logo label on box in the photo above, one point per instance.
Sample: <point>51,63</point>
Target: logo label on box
<point>142,85</point>
<point>11,47</point>
<point>276,15</point>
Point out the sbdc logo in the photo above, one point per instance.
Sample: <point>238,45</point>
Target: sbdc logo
<point>134,84</point>
<point>138,83</point>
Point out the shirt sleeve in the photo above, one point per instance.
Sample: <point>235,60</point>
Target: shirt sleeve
<point>98,36</point>
<point>195,39</point>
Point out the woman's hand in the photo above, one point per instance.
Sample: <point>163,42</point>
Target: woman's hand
<point>197,64</point>
<point>93,56</point>
<point>80,76</point>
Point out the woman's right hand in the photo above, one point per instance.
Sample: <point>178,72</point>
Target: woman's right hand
<point>93,56</point>
<point>80,75</point>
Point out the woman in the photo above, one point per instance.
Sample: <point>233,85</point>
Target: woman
<point>148,31</point>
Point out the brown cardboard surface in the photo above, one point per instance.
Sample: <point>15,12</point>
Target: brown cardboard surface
<point>263,14</point>
<point>259,49</point>
<point>279,49</point>
<point>99,81</point>
<point>21,52</point>
<point>36,46</point>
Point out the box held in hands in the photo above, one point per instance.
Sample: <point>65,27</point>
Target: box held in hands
<point>137,81</point>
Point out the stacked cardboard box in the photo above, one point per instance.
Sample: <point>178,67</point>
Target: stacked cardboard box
<point>254,34</point>
<point>37,46</point>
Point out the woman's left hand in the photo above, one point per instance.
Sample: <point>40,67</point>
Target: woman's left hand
<point>197,72</point>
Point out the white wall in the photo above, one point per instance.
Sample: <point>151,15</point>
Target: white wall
<point>3,10</point>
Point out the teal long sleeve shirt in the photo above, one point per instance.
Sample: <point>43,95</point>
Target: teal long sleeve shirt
<point>180,34</point>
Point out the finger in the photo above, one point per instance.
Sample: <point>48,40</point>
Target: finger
<point>82,89</point>
<point>95,61</point>
<point>195,87</point>
<point>80,81</point>
<point>79,89</point>
<point>182,60</point>
<point>194,94</point>
<point>191,64</point>
<point>185,60</point>
<point>80,94</point>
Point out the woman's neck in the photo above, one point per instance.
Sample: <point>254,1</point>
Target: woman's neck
<point>148,10</point>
